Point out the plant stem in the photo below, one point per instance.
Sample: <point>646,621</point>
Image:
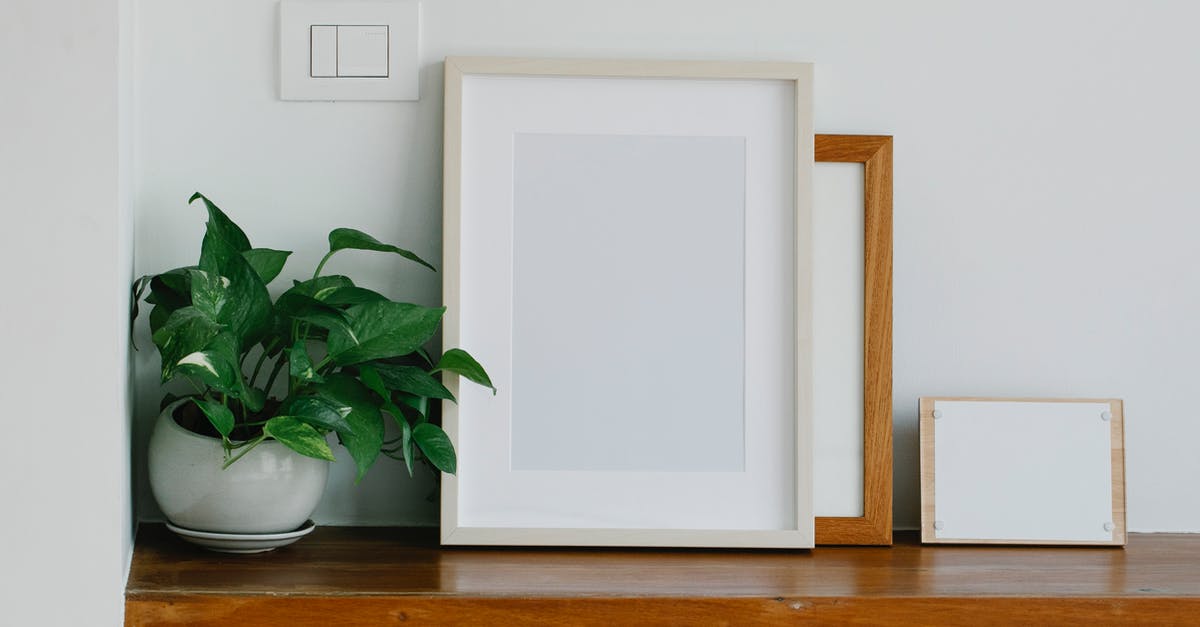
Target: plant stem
<point>321,265</point>
<point>274,373</point>
<point>303,330</point>
<point>258,366</point>
<point>253,443</point>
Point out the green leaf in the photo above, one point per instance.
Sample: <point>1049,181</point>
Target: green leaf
<point>169,291</point>
<point>139,287</point>
<point>135,296</point>
<point>300,365</point>
<point>412,380</point>
<point>299,437</point>
<point>210,292</point>
<point>370,377</point>
<point>267,263</point>
<point>248,309</point>
<point>171,288</point>
<point>212,295</point>
<point>185,331</point>
<point>253,398</point>
<point>218,414</point>
<point>406,444</point>
<point>418,404</point>
<point>383,329</point>
<point>216,365</point>
<point>296,300</point>
<point>459,362</point>
<point>220,225</point>
<point>322,286</point>
<point>363,435</point>
<point>436,446</point>
<point>158,317</point>
<point>351,296</point>
<point>320,413</point>
<point>341,239</point>
<point>328,320</point>
<point>303,299</point>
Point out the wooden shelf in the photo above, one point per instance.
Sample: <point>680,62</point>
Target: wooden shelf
<point>375,576</point>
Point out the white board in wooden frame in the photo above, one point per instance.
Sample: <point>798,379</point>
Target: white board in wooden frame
<point>499,114</point>
<point>1024,471</point>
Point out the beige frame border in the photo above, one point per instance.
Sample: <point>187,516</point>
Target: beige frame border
<point>456,68</point>
<point>875,525</point>
<point>928,513</point>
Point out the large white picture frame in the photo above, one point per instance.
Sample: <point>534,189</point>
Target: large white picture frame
<point>628,251</point>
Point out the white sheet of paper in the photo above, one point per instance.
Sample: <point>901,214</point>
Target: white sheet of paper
<point>1022,471</point>
<point>628,264</point>
<point>838,339</point>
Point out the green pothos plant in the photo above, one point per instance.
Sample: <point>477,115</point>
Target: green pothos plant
<point>350,357</point>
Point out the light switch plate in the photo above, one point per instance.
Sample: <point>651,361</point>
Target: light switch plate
<point>323,53</point>
<point>304,72</point>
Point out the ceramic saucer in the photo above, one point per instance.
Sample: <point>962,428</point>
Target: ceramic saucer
<point>242,542</point>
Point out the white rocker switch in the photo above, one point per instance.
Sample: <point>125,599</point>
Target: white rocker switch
<point>323,54</point>
<point>362,51</point>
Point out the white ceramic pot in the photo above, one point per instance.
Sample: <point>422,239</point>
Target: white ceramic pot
<point>272,489</point>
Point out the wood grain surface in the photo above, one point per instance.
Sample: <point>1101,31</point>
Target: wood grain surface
<point>375,576</point>
<point>875,525</point>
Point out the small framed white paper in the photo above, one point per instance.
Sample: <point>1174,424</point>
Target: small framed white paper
<point>628,252</point>
<point>1022,471</point>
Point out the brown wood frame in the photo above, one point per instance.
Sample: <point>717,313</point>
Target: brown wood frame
<point>928,513</point>
<point>875,525</point>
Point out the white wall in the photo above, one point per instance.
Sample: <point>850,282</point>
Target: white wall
<point>1044,202</point>
<point>66,529</point>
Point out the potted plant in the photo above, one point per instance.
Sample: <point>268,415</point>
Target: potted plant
<point>245,449</point>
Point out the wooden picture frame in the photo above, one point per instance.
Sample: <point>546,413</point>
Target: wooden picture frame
<point>496,501</point>
<point>874,527</point>
<point>1088,435</point>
